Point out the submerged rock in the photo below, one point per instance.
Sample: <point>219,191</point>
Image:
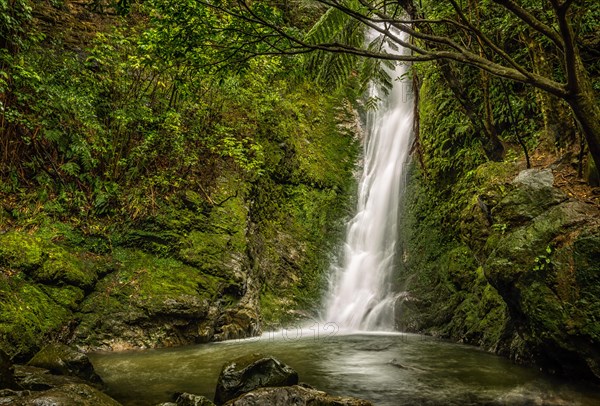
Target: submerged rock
<point>294,395</point>
<point>61,359</point>
<point>251,372</point>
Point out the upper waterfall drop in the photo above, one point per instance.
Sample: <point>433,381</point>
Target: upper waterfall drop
<point>361,296</point>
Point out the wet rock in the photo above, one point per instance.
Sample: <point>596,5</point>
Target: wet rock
<point>65,395</point>
<point>251,372</point>
<point>188,399</point>
<point>294,395</point>
<point>39,379</point>
<point>183,306</point>
<point>61,359</point>
<point>394,362</point>
<point>7,378</point>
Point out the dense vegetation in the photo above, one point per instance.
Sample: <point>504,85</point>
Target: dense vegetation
<point>152,195</point>
<point>176,171</point>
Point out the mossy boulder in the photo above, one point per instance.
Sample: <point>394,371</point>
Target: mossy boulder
<point>532,194</point>
<point>46,262</point>
<point>21,251</point>
<point>149,302</point>
<point>29,315</point>
<point>251,372</point>
<point>545,268</point>
<point>63,267</point>
<point>522,279</point>
<point>61,359</point>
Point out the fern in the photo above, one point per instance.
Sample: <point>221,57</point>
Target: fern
<point>335,69</point>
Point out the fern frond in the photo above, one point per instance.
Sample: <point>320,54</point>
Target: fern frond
<point>335,69</point>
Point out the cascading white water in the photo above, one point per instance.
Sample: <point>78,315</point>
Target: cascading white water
<point>361,297</point>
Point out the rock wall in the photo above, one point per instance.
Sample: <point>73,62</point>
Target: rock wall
<point>521,276</point>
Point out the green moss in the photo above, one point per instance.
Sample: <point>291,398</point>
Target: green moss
<point>19,250</point>
<point>28,316</point>
<point>143,279</point>
<point>68,297</point>
<point>154,277</point>
<point>64,267</point>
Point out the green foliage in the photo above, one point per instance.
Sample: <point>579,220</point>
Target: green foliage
<point>543,262</point>
<point>15,16</point>
<point>142,169</point>
<point>336,70</point>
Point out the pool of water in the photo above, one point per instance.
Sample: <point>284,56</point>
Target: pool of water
<point>387,369</point>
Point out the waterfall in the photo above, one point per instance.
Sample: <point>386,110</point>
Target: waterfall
<point>361,296</point>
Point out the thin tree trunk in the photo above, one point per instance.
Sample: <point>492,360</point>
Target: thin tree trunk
<point>492,146</point>
<point>587,113</point>
<point>555,133</point>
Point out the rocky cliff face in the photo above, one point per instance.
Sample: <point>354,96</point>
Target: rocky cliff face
<point>520,280</point>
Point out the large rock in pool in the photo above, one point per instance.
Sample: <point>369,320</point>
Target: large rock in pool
<point>251,372</point>
<point>294,395</point>
<point>61,359</point>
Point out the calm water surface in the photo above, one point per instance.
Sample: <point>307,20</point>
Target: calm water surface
<point>390,369</point>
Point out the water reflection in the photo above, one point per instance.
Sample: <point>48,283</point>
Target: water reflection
<point>399,369</point>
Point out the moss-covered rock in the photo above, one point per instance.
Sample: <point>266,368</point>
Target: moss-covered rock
<point>61,359</point>
<point>147,302</point>
<point>21,251</point>
<point>28,316</point>
<point>522,281</point>
<point>62,267</point>
<point>532,193</point>
<point>542,270</point>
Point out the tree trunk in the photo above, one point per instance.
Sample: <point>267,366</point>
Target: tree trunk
<point>555,135</point>
<point>587,114</point>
